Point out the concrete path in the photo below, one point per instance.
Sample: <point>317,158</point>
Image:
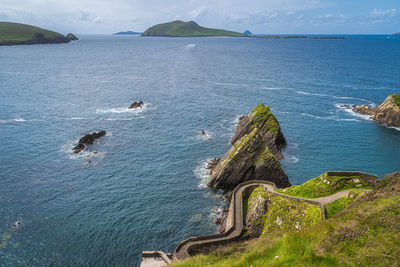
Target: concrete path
<point>184,248</point>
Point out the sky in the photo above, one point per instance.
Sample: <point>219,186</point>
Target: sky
<point>259,16</point>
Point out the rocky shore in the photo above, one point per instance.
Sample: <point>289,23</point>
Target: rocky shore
<point>386,113</point>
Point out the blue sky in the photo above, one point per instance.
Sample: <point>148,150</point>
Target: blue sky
<point>259,16</point>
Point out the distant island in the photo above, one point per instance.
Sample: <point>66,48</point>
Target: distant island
<point>180,28</point>
<point>397,33</point>
<point>23,34</point>
<point>127,33</point>
<point>247,32</point>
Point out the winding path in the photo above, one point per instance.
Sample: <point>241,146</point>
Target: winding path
<point>184,248</point>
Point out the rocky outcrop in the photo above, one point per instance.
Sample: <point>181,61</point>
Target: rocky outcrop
<point>255,153</point>
<point>257,207</point>
<point>72,37</point>
<point>387,113</point>
<point>136,105</point>
<point>87,139</point>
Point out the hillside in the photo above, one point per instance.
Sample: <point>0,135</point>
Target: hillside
<point>22,34</point>
<point>363,230</point>
<point>127,33</point>
<point>186,29</point>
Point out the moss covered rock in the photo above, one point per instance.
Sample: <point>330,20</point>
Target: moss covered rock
<point>255,153</point>
<point>262,118</point>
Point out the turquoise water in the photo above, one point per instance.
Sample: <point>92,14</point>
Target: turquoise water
<point>138,194</point>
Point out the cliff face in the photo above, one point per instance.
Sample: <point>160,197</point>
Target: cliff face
<point>388,112</point>
<point>255,153</point>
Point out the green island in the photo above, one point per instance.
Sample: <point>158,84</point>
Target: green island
<point>361,229</point>
<point>180,28</point>
<point>23,34</point>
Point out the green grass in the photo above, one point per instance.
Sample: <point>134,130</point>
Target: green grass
<point>324,185</point>
<point>335,207</point>
<point>367,233</point>
<point>284,215</point>
<point>396,99</point>
<point>263,119</point>
<point>17,32</point>
<point>186,29</point>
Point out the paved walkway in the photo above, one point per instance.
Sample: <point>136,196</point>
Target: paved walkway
<point>182,251</point>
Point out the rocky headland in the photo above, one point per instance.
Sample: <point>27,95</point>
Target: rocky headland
<point>23,34</point>
<point>87,139</point>
<point>255,153</point>
<point>386,113</point>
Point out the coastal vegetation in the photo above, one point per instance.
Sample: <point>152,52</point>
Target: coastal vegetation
<point>180,28</point>
<point>22,34</point>
<point>365,233</point>
<point>324,185</point>
<point>283,215</point>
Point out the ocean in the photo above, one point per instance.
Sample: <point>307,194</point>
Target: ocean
<point>142,186</point>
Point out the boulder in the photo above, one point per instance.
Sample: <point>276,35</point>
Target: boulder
<point>387,113</point>
<point>87,139</point>
<point>255,153</point>
<point>136,105</point>
<point>258,207</point>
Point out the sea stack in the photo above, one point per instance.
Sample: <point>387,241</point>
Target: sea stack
<point>255,153</point>
<point>387,113</point>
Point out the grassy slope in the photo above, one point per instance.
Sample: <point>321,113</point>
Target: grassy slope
<point>186,29</point>
<point>324,185</point>
<point>367,233</point>
<point>16,32</point>
<point>284,215</point>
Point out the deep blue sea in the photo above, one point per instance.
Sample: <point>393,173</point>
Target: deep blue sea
<point>144,189</point>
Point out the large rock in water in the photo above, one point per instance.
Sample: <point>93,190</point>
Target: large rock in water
<point>255,153</point>
<point>387,113</point>
<point>87,139</point>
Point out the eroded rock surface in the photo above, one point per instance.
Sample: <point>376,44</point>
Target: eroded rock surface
<point>136,105</point>
<point>255,153</point>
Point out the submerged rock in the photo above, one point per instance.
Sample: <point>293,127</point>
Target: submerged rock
<point>255,153</point>
<point>87,139</point>
<point>136,105</point>
<point>387,113</point>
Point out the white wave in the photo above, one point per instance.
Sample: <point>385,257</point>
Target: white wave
<point>13,120</point>
<point>123,110</point>
<point>191,46</point>
<point>231,84</point>
<point>290,158</point>
<point>333,118</point>
<point>355,114</point>
<point>206,137</point>
<point>119,119</point>
<point>338,97</point>
<point>74,118</point>
<point>203,173</point>
<point>272,88</point>
<point>392,127</point>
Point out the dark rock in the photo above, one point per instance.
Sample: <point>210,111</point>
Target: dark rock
<point>87,139</point>
<point>255,153</point>
<point>203,132</point>
<point>136,105</point>
<point>72,37</point>
<point>211,165</point>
